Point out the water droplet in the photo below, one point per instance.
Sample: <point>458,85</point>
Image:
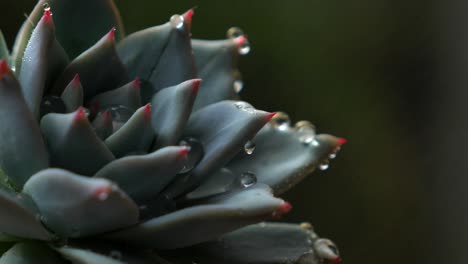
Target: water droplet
<point>115,254</point>
<point>306,226</point>
<point>46,7</point>
<point>120,115</point>
<point>262,224</point>
<point>306,131</point>
<point>194,156</point>
<point>177,21</point>
<point>249,147</point>
<point>244,48</point>
<point>238,85</point>
<point>281,121</point>
<point>324,165</point>
<point>52,104</point>
<point>334,153</point>
<point>315,143</point>
<point>248,179</point>
<point>234,32</point>
<point>245,107</point>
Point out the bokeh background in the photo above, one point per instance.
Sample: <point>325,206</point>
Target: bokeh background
<point>388,75</point>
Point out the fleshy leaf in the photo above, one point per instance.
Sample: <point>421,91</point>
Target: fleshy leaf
<point>73,144</point>
<point>223,129</point>
<point>99,67</point>
<point>31,253</point>
<point>142,177</point>
<point>21,138</point>
<point>135,136</point>
<point>272,243</point>
<point>34,68</point>
<point>76,206</point>
<point>79,24</point>
<point>72,96</point>
<point>217,66</point>
<point>282,158</point>
<point>4,54</point>
<point>220,182</point>
<point>171,108</point>
<point>20,217</point>
<point>202,223</point>
<point>160,56</point>
<point>127,95</point>
<point>81,256</point>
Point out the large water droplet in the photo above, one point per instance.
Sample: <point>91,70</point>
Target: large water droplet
<point>324,165</point>
<point>281,121</point>
<point>305,131</point>
<point>249,147</point>
<point>120,115</point>
<point>245,107</point>
<point>115,254</point>
<point>194,156</point>
<point>46,6</point>
<point>234,32</point>
<point>238,85</point>
<point>248,179</point>
<point>52,104</point>
<point>177,21</point>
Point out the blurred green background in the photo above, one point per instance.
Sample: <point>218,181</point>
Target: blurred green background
<point>364,70</point>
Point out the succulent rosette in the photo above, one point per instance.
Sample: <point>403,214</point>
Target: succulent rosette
<point>137,149</point>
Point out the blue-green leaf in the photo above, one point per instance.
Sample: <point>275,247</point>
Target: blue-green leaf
<point>204,222</point>
<point>22,141</point>
<point>31,253</point>
<point>72,96</point>
<point>77,206</point>
<point>73,144</point>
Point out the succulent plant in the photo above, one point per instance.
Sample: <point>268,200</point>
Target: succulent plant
<point>113,151</point>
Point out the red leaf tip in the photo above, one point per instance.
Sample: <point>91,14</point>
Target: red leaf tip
<point>241,40</point>
<point>76,80</point>
<point>285,208</point>
<point>341,141</point>
<point>196,85</point>
<point>270,116</point>
<point>81,114</point>
<point>4,68</point>
<point>188,16</point>
<point>111,34</point>
<point>338,260</point>
<point>47,14</point>
<point>136,83</point>
<point>183,151</point>
<point>107,115</point>
<point>102,192</point>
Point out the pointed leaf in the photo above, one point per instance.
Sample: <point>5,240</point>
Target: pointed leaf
<point>281,158</point>
<point>127,95</point>
<point>72,96</point>
<point>171,109</point>
<point>142,177</point>
<point>202,223</point>
<point>4,54</point>
<point>220,182</point>
<point>76,206</point>
<point>22,141</point>
<point>79,24</point>
<point>217,66</point>
<point>80,256</point>
<point>73,144</point>
<point>31,253</point>
<point>135,136</point>
<point>163,54</point>
<point>20,217</point>
<point>34,68</point>
<point>272,243</point>
<point>223,129</point>
<point>99,67</point>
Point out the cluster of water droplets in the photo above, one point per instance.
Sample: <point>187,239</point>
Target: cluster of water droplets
<point>120,115</point>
